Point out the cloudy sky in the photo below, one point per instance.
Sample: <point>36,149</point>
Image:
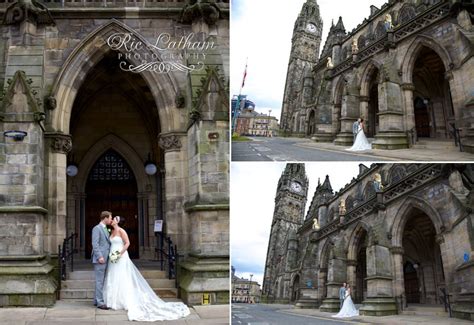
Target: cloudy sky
<point>253,188</point>
<point>262,29</point>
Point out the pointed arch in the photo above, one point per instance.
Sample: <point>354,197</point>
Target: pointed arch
<point>369,69</point>
<point>409,59</point>
<point>339,90</point>
<point>112,141</point>
<point>86,55</point>
<point>355,238</point>
<point>325,253</point>
<point>410,204</point>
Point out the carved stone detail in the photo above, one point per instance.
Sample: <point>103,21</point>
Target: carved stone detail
<point>170,142</point>
<point>27,10</point>
<point>61,143</point>
<point>201,9</point>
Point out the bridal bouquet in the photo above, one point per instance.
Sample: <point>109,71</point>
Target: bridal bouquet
<point>114,257</point>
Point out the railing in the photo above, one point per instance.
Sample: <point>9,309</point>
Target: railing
<point>66,254</point>
<point>445,300</point>
<point>167,255</point>
<point>456,133</point>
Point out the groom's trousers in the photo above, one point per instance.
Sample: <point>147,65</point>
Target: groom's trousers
<point>341,302</point>
<point>99,271</point>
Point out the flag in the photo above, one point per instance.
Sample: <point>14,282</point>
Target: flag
<point>245,76</point>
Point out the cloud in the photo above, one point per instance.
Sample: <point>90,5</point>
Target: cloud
<point>253,190</point>
<point>262,30</point>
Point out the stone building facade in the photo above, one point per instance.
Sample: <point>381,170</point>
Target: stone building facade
<point>253,123</point>
<point>407,70</point>
<point>245,290</point>
<point>109,105</point>
<point>401,240</point>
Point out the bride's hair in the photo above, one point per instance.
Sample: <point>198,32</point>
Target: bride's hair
<point>118,219</point>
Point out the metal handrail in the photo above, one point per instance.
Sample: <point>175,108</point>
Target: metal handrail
<point>445,300</point>
<point>167,256</point>
<point>66,254</point>
<point>456,133</point>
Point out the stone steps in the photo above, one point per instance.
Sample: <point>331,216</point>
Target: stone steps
<point>89,275</point>
<point>425,311</point>
<point>434,144</point>
<point>81,285</point>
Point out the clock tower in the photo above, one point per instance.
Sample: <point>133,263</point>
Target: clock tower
<point>288,217</point>
<point>305,45</point>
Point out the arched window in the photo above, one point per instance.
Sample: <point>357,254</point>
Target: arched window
<point>406,13</point>
<point>397,173</point>
<point>369,190</point>
<point>361,42</point>
<point>380,30</point>
<point>349,203</point>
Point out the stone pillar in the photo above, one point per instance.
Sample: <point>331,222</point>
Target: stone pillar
<point>409,110</point>
<point>322,277</point>
<point>364,107</point>
<point>468,140</point>
<point>398,283</point>
<point>336,277</point>
<point>58,146</point>
<point>380,301</point>
<point>351,276</point>
<point>26,277</point>
<point>392,134</point>
<point>350,112</point>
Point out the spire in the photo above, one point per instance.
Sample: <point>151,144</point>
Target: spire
<point>327,185</point>
<point>340,25</point>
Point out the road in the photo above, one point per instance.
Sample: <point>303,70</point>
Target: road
<point>287,149</point>
<point>262,314</point>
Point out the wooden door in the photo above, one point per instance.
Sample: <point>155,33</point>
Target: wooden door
<point>111,186</point>
<point>412,289</point>
<point>422,119</point>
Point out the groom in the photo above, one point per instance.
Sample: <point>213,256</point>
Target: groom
<point>342,293</point>
<point>100,255</point>
<point>355,128</point>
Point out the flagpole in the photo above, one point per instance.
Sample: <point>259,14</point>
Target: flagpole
<point>245,75</point>
<point>239,98</point>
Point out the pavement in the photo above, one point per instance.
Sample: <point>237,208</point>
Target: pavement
<point>84,313</point>
<point>302,149</point>
<point>264,314</point>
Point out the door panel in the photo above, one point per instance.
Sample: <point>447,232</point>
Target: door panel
<point>112,187</point>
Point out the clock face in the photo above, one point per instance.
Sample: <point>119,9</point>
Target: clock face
<point>295,186</point>
<point>311,28</point>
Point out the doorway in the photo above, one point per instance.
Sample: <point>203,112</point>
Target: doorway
<point>111,186</point>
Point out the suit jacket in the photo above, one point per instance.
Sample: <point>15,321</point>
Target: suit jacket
<point>355,127</point>
<point>100,244</point>
<point>342,293</point>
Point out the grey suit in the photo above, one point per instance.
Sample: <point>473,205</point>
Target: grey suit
<point>342,295</point>
<point>355,129</point>
<point>100,248</point>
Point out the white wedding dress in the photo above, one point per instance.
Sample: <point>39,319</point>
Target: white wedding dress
<point>125,288</point>
<point>361,143</point>
<point>348,308</point>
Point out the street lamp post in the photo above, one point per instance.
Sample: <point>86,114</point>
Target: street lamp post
<point>250,285</point>
<point>268,123</point>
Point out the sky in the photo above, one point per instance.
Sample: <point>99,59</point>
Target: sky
<point>253,189</point>
<point>261,31</point>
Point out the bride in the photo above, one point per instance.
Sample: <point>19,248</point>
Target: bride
<point>361,143</point>
<point>348,309</point>
<point>125,288</point>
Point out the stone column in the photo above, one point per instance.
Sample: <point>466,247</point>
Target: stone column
<point>364,107</point>
<point>58,146</point>
<point>322,276</point>
<point>336,277</point>
<point>398,276</point>
<point>350,112</point>
<point>409,109</point>
<point>351,276</point>
<point>468,140</point>
<point>392,134</point>
<point>175,186</point>
<point>380,301</point>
